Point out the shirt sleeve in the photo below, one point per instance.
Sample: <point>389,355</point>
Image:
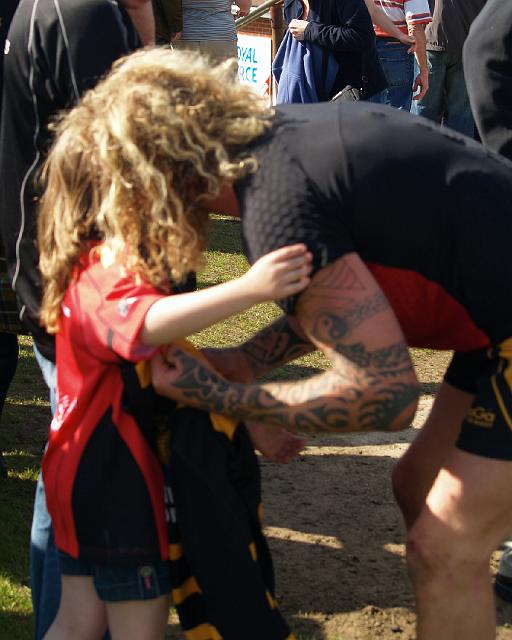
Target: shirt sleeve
<point>281,206</point>
<point>417,12</point>
<point>352,32</point>
<point>113,308</point>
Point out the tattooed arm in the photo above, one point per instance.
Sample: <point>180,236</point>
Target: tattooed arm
<point>270,348</point>
<point>370,385</point>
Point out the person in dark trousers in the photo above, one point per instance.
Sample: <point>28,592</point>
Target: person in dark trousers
<point>447,101</point>
<point>9,323</point>
<point>56,50</point>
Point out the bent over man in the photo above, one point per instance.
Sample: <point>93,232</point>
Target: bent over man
<point>340,178</point>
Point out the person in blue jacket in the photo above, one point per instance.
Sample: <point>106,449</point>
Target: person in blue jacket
<point>329,44</point>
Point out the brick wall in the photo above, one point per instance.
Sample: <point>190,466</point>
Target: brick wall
<point>260,27</point>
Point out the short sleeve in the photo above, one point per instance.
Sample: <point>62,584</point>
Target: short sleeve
<point>281,206</point>
<point>417,12</point>
<point>112,310</point>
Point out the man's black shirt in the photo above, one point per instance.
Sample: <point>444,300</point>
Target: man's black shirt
<point>427,210</point>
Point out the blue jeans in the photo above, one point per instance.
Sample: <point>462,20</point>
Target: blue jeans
<point>446,101</point>
<point>44,562</point>
<point>398,66</point>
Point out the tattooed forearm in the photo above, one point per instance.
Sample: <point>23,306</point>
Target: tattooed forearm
<point>352,400</point>
<point>275,345</point>
<point>393,359</point>
<point>370,385</point>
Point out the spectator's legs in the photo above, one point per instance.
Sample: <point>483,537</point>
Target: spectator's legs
<point>503,584</point>
<point>458,114</point>
<point>398,66</point>
<point>432,105</point>
<point>44,564</point>
<point>8,363</point>
<point>217,50</point>
<point>467,514</point>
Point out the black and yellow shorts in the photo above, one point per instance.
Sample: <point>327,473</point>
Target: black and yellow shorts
<point>487,428</point>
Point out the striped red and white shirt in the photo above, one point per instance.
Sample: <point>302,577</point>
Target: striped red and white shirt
<point>404,13</point>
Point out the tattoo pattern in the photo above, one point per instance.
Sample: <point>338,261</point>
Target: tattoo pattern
<point>365,389</point>
<point>274,346</point>
<point>328,326</point>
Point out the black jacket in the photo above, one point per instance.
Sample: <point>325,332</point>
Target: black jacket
<point>57,50</point>
<point>7,10</point>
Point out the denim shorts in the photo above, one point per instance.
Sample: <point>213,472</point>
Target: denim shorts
<point>120,583</point>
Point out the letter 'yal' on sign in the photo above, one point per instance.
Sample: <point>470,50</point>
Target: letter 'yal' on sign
<point>255,62</point>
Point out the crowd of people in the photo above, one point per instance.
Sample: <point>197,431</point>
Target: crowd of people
<point>113,152</point>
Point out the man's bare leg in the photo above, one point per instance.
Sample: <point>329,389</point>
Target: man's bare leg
<point>467,514</point>
<point>417,469</point>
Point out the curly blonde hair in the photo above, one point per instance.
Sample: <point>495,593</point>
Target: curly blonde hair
<point>134,164</point>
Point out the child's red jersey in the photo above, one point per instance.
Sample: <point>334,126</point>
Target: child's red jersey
<point>103,479</point>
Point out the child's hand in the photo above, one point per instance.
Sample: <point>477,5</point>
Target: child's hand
<point>275,443</point>
<point>279,274</point>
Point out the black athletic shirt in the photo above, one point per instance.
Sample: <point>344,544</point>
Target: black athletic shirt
<point>7,9</point>
<point>427,210</point>
<point>56,50</point>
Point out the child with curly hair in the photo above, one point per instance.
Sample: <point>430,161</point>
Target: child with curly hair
<point>123,219</point>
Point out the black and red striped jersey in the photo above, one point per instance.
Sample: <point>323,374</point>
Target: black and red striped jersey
<point>103,478</point>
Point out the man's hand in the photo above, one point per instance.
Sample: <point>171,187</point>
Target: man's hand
<point>297,28</point>
<point>420,85</point>
<point>410,40</point>
<point>420,53</point>
<point>164,373</point>
<point>275,443</point>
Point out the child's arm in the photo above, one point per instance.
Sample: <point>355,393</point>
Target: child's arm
<point>279,274</point>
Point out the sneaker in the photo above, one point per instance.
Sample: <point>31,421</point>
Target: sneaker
<point>503,582</point>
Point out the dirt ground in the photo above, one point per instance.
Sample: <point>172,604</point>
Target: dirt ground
<point>337,536</point>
